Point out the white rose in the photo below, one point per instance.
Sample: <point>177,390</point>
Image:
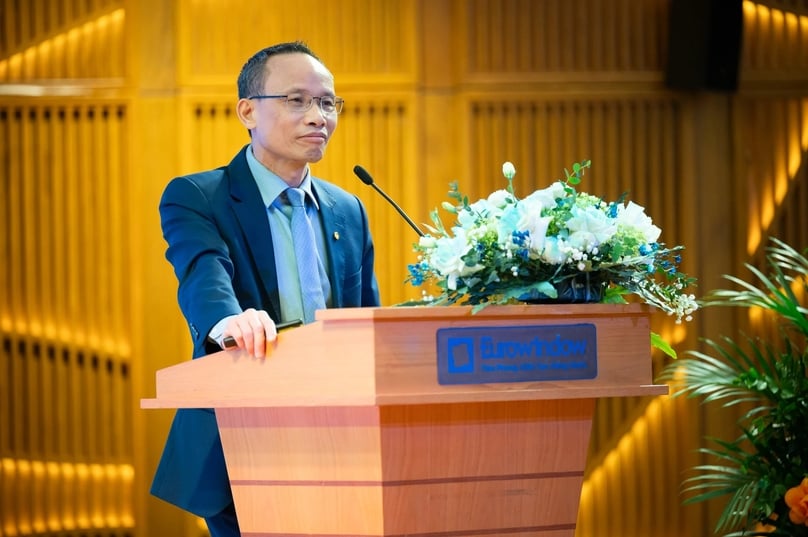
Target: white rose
<point>589,227</point>
<point>499,199</point>
<point>447,257</point>
<point>530,219</point>
<point>633,216</point>
<point>547,197</point>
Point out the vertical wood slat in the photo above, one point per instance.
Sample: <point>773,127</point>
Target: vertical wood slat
<point>24,495</point>
<point>6,222</point>
<point>115,202</point>
<point>89,265</point>
<point>55,454</point>
<point>40,385</point>
<point>9,29</point>
<point>7,390</point>
<point>71,492</point>
<point>94,288</point>
<point>15,247</point>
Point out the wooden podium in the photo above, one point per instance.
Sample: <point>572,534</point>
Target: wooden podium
<point>345,429</point>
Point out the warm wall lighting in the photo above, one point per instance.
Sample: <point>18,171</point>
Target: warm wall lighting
<point>627,446</point>
<point>65,496</point>
<point>29,63</point>
<point>763,13</point>
<point>773,193</point>
<point>775,188</point>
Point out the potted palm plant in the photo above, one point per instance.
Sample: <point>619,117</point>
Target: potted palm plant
<point>763,472</point>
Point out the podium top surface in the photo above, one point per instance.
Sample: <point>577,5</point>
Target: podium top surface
<point>388,356</point>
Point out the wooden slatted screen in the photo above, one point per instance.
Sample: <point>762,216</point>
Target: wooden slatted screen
<point>65,435</point>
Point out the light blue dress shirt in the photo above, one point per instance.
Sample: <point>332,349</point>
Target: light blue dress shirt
<point>271,187</point>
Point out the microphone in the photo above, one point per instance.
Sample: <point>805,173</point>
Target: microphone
<point>365,177</point>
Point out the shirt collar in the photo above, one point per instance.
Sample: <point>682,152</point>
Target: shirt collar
<point>271,186</point>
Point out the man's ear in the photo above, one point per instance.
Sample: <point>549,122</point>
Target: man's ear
<point>245,110</point>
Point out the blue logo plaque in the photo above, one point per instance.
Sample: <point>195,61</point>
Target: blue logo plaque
<point>517,353</point>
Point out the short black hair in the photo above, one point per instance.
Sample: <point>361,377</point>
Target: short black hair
<point>252,76</point>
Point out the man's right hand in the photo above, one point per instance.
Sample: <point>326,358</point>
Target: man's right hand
<point>252,330</point>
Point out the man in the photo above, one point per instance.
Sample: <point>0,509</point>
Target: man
<point>232,242</point>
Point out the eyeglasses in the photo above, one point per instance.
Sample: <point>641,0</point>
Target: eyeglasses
<point>300,102</point>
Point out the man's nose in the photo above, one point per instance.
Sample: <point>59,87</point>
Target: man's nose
<point>315,114</point>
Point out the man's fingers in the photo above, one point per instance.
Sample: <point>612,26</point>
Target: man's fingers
<point>251,330</point>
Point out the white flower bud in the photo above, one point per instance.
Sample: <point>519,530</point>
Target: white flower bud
<point>508,170</point>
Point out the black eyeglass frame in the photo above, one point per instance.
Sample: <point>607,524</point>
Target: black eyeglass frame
<point>339,102</point>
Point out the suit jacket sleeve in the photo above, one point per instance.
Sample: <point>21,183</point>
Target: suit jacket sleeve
<point>200,257</point>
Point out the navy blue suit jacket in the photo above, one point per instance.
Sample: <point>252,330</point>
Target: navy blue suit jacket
<point>220,246</point>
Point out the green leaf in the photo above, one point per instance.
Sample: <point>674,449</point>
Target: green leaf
<point>659,343</point>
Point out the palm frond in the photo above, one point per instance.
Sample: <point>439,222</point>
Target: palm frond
<point>708,377</point>
<point>737,509</point>
<point>719,481</point>
<point>770,455</point>
<point>776,293</point>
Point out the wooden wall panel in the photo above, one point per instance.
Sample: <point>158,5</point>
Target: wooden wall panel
<point>67,445</point>
<point>529,39</point>
<point>29,22</point>
<point>213,132</point>
<point>631,142</point>
<point>359,40</point>
<point>775,41</point>
<point>47,41</point>
<point>775,169</point>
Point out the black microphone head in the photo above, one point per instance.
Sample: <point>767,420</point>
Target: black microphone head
<point>362,174</point>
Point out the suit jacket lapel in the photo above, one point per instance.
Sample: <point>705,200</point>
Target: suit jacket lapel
<point>252,217</point>
<point>333,230</point>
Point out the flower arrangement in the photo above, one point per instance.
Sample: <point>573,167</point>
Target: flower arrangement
<point>556,244</point>
<point>763,471</point>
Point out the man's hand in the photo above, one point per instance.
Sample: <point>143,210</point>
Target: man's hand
<point>252,331</point>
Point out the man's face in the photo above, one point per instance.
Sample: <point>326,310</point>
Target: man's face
<point>282,139</point>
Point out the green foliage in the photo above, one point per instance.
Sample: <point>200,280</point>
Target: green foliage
<point>770,455</point>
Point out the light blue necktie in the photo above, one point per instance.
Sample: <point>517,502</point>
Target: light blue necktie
<point>308,271</point>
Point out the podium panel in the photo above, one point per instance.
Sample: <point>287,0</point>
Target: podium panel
<point>345,428</point>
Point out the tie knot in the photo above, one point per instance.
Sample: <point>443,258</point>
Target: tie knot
<point>296,197</point>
